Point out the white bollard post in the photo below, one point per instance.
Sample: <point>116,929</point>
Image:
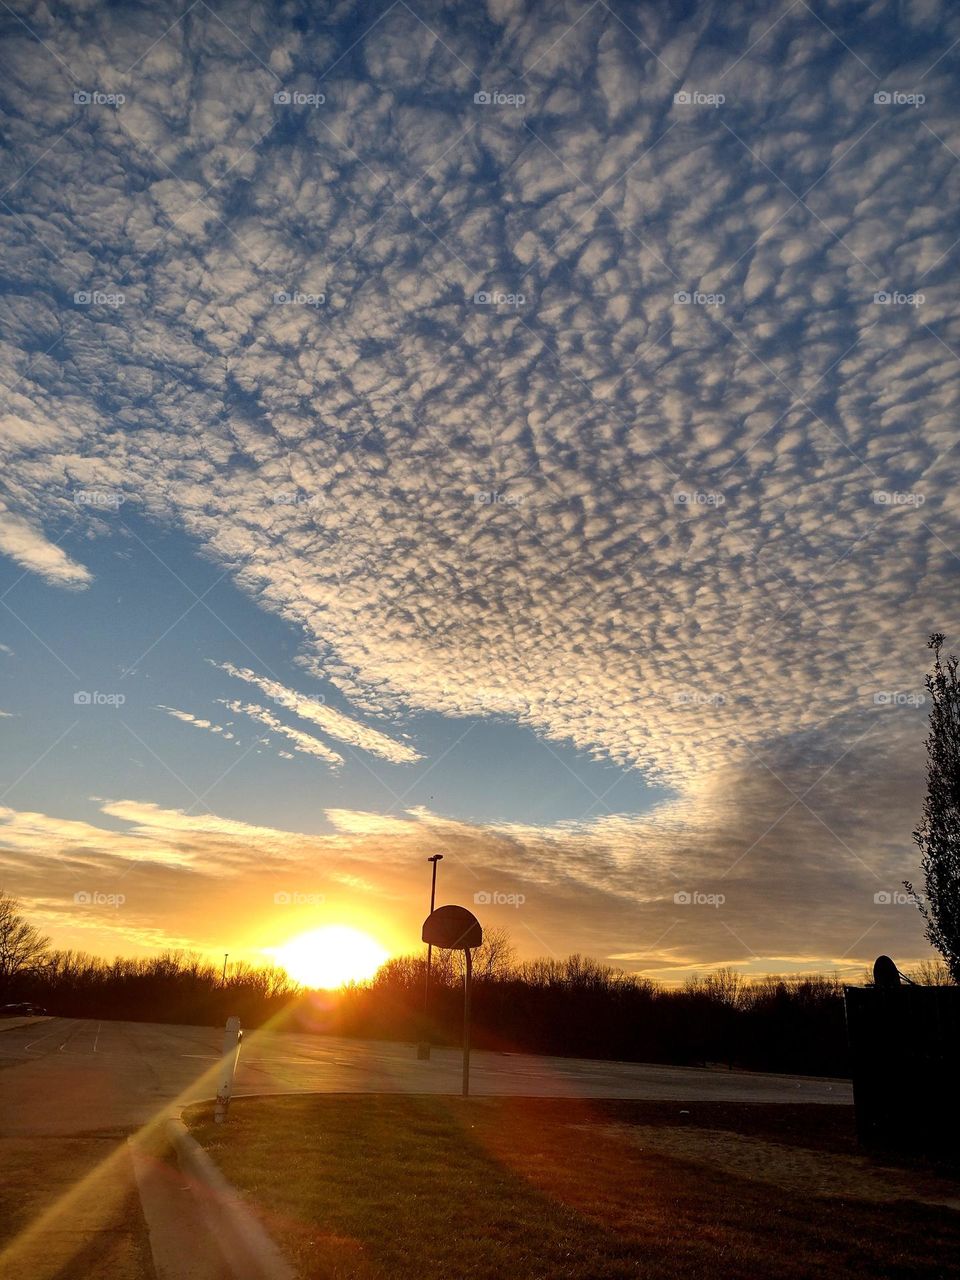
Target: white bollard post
<point>231,1053</point>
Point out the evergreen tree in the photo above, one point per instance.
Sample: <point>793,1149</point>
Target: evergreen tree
<point>938,834</point>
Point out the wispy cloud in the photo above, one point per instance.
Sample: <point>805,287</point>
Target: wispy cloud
<point>329,719</point>
<point>27,546</point>
<point>303,742</point>
<point>188,718</point>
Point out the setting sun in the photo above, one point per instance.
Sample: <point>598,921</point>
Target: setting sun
<point>331,956</point>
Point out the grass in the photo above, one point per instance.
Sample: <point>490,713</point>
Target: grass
<point>370,1188</point>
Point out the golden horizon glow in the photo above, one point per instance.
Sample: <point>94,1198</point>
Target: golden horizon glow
<point>330,957</point>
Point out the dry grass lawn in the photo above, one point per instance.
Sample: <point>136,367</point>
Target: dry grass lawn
<point>397,1188</point>
<point>69,1210</point>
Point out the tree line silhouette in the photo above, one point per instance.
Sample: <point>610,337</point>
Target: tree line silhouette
<point>574,1007</point>
<point>173,987</point>
<point>577,1007</point>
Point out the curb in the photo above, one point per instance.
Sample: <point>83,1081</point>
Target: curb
<point>181,1243</point>
<point>17,1024</point>
<point>248,1251</point>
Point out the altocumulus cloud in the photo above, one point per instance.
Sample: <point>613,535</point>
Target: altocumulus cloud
<point>615,410</point>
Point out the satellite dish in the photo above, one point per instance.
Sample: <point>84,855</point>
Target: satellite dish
<point>885,973</point>
<point>453,928</point>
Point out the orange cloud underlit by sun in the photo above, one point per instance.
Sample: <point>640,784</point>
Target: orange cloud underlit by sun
<point>330,957</point>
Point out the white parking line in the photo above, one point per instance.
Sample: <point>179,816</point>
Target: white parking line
<point>40,1039</point>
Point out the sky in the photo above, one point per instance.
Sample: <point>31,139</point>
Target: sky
<point>522,432</point>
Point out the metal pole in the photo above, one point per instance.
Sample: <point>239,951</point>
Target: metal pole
<point>437,857</point>
<point>423,1048</point>
<point>467,984</point>
<point>223,978</point>
<point>232,1036</point>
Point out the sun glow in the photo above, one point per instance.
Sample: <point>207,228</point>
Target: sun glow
<point>331,956</point>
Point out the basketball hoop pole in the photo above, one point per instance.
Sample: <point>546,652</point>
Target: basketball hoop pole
<point>467,984</point>
<point>457,929</point>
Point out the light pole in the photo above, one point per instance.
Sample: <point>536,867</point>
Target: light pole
<point>423,1048</point>
<point>223,978</point>
<point>437,857</point>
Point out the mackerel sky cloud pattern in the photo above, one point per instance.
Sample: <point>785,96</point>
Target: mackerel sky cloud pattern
<point>625,414</point>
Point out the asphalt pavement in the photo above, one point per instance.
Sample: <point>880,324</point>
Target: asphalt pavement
<point>70,1076</point>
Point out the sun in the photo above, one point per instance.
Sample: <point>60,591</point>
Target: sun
<point>331,956</point>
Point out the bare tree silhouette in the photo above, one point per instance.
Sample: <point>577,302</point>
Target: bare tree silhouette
<point>23,948</point>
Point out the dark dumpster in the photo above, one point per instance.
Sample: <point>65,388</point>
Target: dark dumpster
<point>905,1063</point>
